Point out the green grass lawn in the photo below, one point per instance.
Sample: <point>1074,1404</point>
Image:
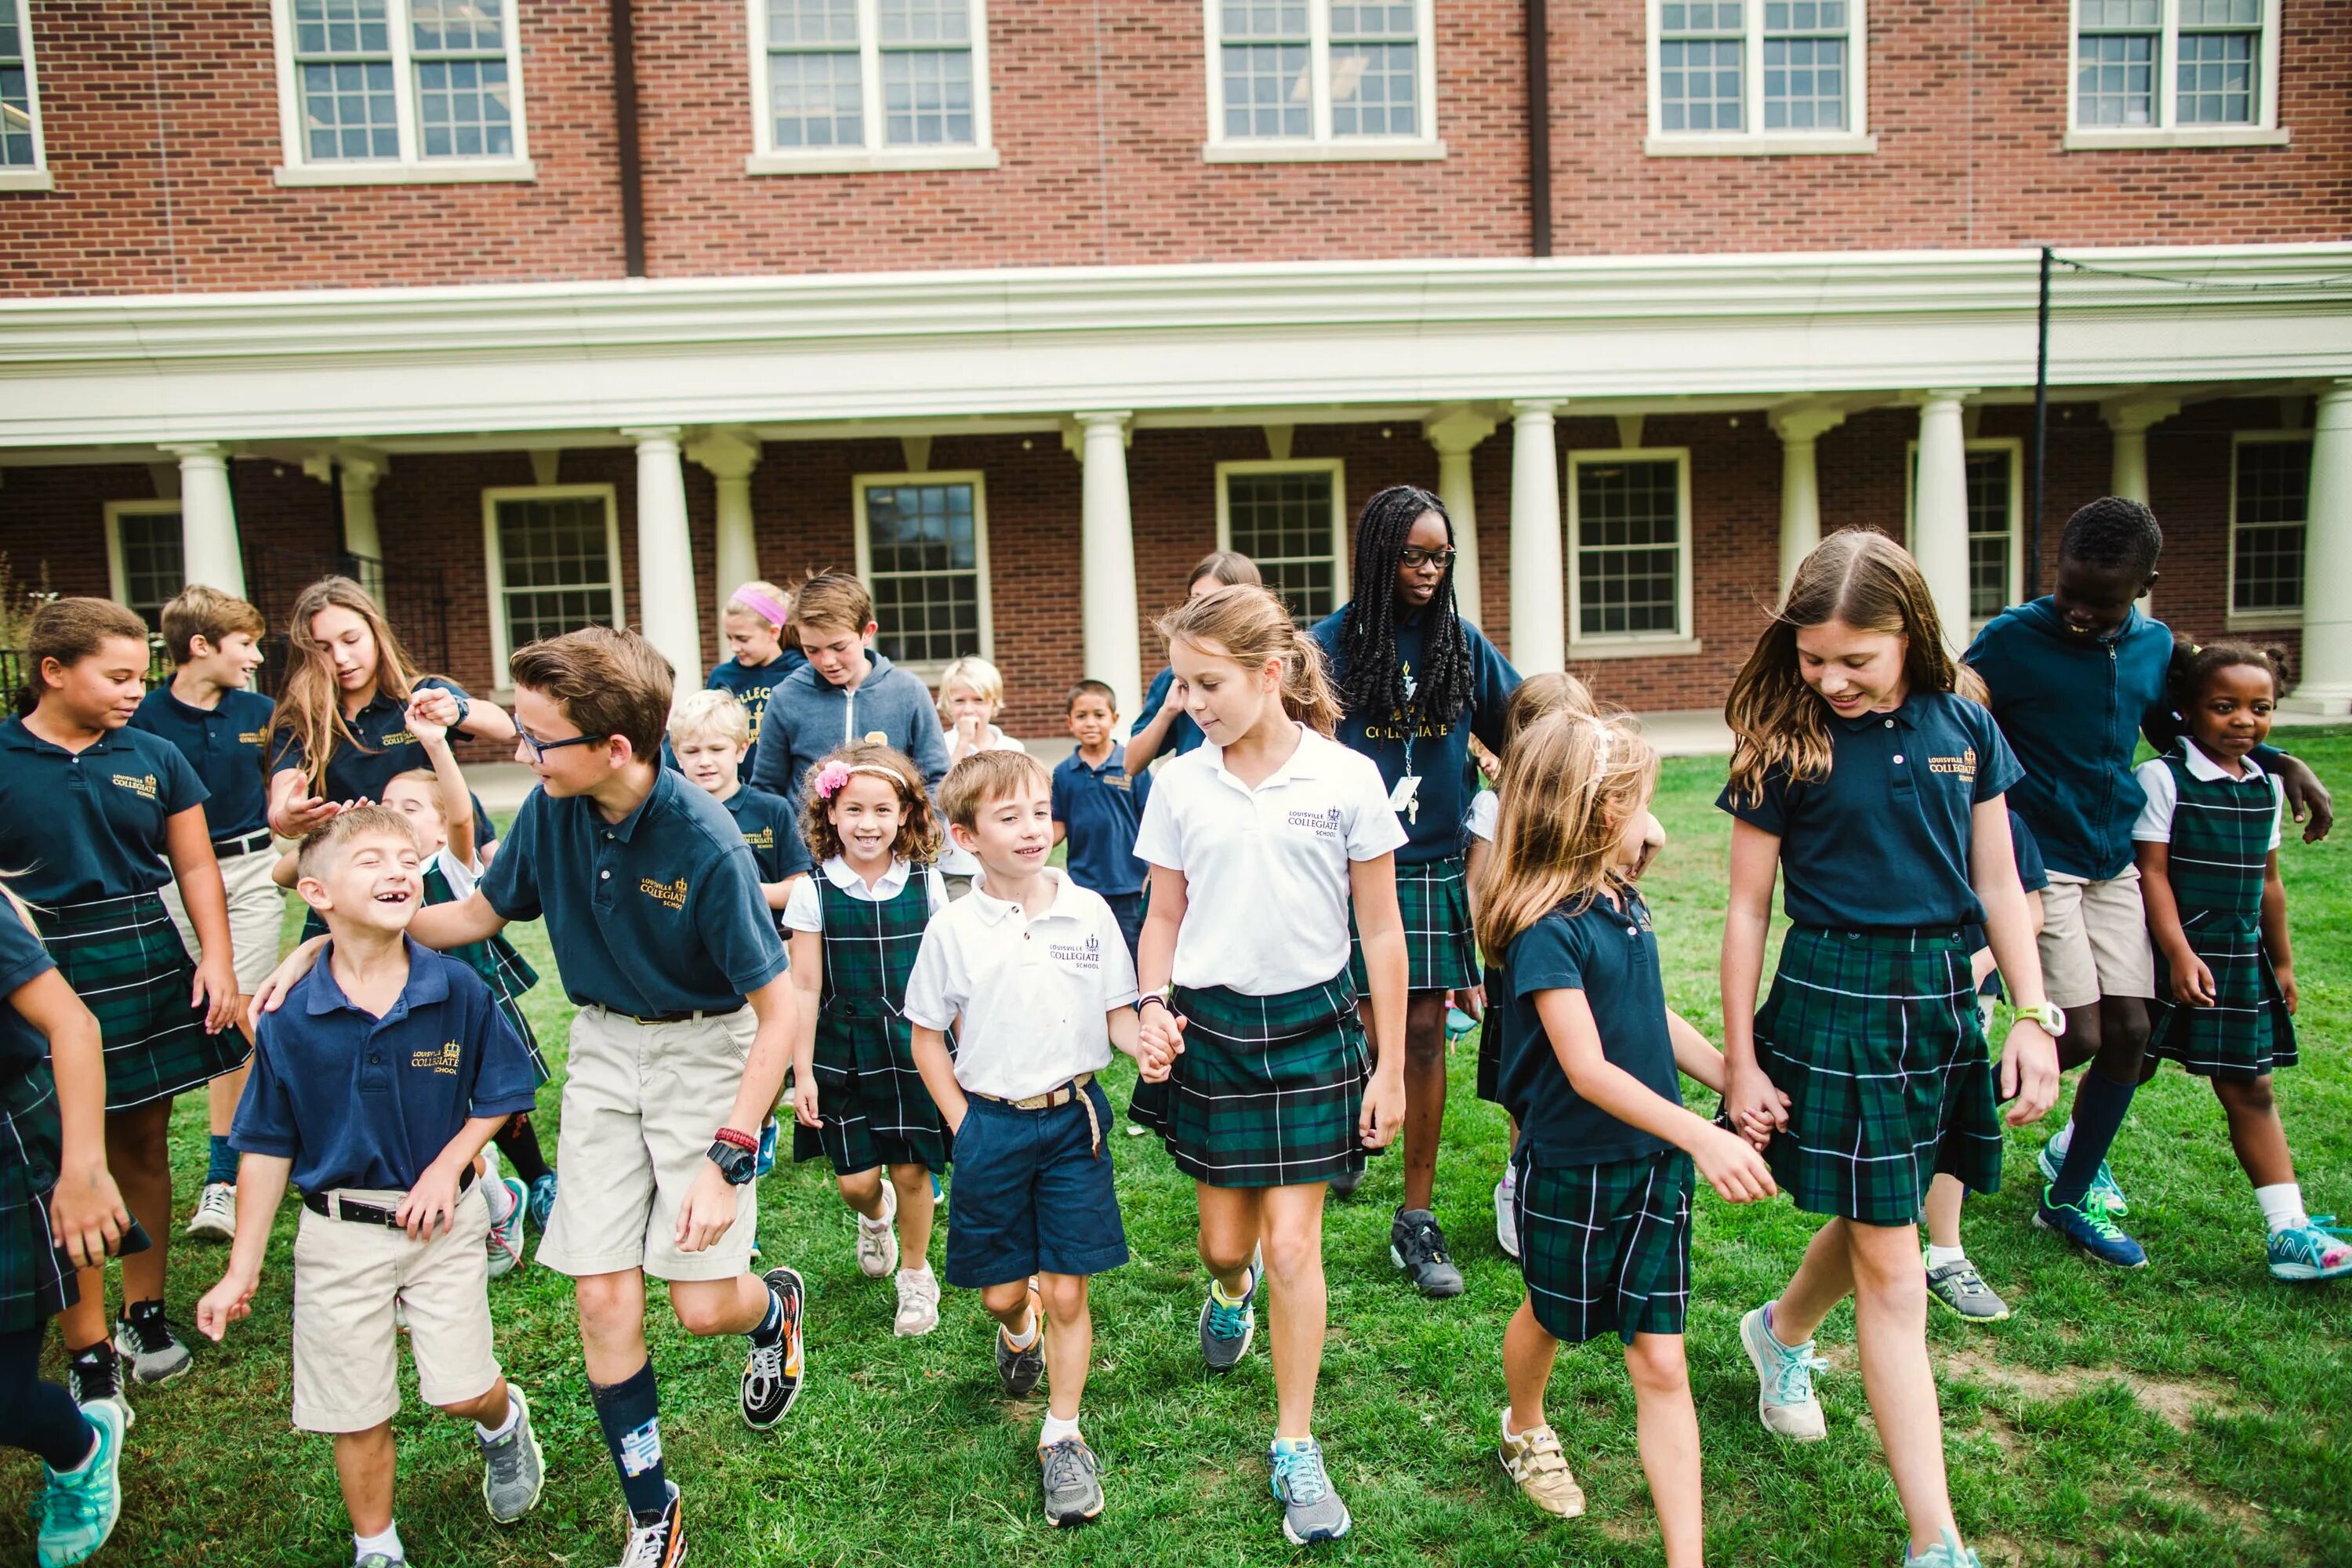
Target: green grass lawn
<point>2193,1413</point>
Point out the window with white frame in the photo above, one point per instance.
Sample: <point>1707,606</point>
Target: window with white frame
<point>870,83</point>
<point>1992,475</point>
<point>1759,76</point>
<point>1629,536</point>
<point>2270,504</point>
<point>144,555</point>
<point>1321,78</point>
<point>553,556</point>
<point>922,549</point>
<point>20,101</point>
<point>2174,71</point>
<point>400,89</point>
<point>1288,518</point>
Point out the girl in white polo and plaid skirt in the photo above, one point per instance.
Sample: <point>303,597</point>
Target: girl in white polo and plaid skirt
<point>1256,841</point>
<point>1867,777</point>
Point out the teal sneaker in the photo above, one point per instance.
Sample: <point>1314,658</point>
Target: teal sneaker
<point>77,1509</point>
<point>2103,1183</point>
<point>1311,1511</point>
<point>2090,1229</point>
<point>2312,1250</point>
<point>1784,1380</point>
<point>1946,1553</point>
<point>1227,1331</point>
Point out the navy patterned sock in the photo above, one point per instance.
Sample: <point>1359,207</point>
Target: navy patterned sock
<point>630,1413</point>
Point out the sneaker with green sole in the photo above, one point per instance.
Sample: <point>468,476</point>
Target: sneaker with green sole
<point>1963,1291</point>
<point>2103,1182</point>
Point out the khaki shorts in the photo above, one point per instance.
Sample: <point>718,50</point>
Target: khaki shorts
<point>639,1110</point>
<point>2095,940</point>
<point>257,914</point>
<point>347,1278</point>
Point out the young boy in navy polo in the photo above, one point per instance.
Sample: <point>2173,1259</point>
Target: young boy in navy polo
<point>373,1093</point>
<point>1030,971</point>
<point>1097,807</point>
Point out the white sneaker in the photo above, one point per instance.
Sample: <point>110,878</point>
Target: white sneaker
<point>1506,1219</point>
<point>504,1240</point>
<point>216,1216</point>
<point>919,1303</point>
<point>877,1239</point>
<point>1784,1377</point>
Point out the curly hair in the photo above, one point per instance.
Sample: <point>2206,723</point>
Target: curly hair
<point>918,823</point>
<point>2115,533</point>
<point>1370,676</point>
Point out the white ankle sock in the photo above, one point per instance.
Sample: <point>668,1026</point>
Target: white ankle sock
<point>1024,1340</point>
<point>1056,1430</point>
<point>505,1425</point>
<point>1938,1257</point>
<point>921,1270</point>
<point>2282,1206</point>
<point>388,1544</point>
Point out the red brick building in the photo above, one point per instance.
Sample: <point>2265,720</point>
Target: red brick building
<point>1020,306</point>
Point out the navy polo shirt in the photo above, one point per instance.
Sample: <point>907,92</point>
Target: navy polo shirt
<point>78,825</point>
<point>657,914</point>
<point>1884,839</point>
<point>1100,809</point>
<point>769,832</point>
<point>750,684</point>
<point>1182,733</point>
<point>389,751</point>
<point>225,746</point>
<point>1611,955</point>
<point>23,959</point>
<point>356,1100</point>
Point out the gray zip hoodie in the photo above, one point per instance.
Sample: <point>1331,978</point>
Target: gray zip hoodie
<point>808,717</point>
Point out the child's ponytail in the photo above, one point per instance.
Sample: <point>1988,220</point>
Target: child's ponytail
<point>1307,694</point>
<point>1250,625</point>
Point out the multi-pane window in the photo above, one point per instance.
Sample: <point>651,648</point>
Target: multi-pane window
<point>145,551</point>
<point>1314,72</point>
<point>2162,65</point>
<point>1991,481</point>
<point>2270,505</point>
<point>1756,68</point>
<point>1286,517</point>
<point>922,549</point>
<point>555,563</point>
<point>424,83</point>
<point>20,146</point>
<point>873,75</point>
<point>1627,526</point>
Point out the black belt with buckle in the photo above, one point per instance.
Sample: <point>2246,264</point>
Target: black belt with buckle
<point>328,1205</point>
<point>259,838</point>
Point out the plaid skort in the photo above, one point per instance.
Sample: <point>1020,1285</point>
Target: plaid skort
<point>37,1283</point>
<point>1490,1042</point>
<point>1438,952</point>
<point>1606,1248</point>
<point>123,959</point>
<point>1875,1038</point>
<point>1268,1090</point>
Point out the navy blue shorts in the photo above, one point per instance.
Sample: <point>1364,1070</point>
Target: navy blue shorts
<point>1032,1195</point>
<point>1127,909</point>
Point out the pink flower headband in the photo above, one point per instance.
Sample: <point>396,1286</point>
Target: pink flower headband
<point>833,776</point>
<point>760,604</point>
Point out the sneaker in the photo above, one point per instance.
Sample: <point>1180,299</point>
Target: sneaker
<point>765,1161</point>
<point>1533,1459</point>
<point>543,1202</point>
<point>919,1304</point>
<point>76,1512</point>
<point>505,1240</point>
<point>1073,1490</point>
<point>771,1374</point>
<point>1784,1377</point>
<point>1344,1184</point>
<point>216,1216</point>
<point>877,1239</point>
<point>1019,1369</point>
<point>2103,1182</point>
<point>1418,1247</point>
<point>513,1469</point>
<point>1946,1553</point>
<point>1961,1289</point>
<point>1458,1025</point>
<point>144,1337</point>
<point>2311,1250</point>
<point>381,1560</point>
<point>1227,1331</point>
<point>2089,1229</point>
<point>662,1543</point>
<point>1311,1511</point>
<point>94,1377</point>
<point>1507,1217</point>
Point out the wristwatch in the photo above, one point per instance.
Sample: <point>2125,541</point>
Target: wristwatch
<point>2049,1014</point>
<point>738,1166</point>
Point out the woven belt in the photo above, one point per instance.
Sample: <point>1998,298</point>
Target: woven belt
<point>1054,1098</point>
<point>334,1206</point>
<point>257,839</point>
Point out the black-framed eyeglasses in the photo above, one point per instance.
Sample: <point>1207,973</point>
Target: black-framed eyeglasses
<point>1413,557</point>
<point>538,748</point>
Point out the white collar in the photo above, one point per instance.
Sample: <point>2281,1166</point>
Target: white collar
<point>837,872</point>
<point>994,910</point>
<point>1303,762</point>
<point>2205,769</point>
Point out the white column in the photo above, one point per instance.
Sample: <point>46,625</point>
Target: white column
<point>1801,489</point>
<point>2129,422</point>
<point>730,459</point>
<point>666,607</point>
<point>1456,434</point>
<point>1539,584</point>
<point>360,535</point>
<point>1112,634</point>
<point>209,552</point>
<point>1939,512</point>
<point>2327,683</point>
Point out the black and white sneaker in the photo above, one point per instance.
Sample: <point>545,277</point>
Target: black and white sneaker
<point>1418,1247</point>
<point>772,1376</point>
<point>144,1337</point>
<point>662,1543</point>
<point>95,1376</point>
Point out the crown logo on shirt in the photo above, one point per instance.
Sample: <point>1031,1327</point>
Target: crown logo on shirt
<point>141,784</point>
<point>1963,766</point>
<point>669,895</point>
<point>1094,944</point>
<point>1333,814</point>
<point>441,1058</point>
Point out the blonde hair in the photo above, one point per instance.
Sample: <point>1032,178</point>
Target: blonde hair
<point>1866,581</point>
<point>1570,783</point>
<point>718,713</point>
<point>919,823</point>
<point>1540,697</point>
<point>738,605</point>
<point>322,843</point>
<point>983,778</point>
<point>431,782</point>
<point>310,707</point>
<point>1249,626</point>
<point>984,679</point>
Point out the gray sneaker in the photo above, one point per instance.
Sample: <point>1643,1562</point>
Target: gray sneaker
<point>381,1560</point>
<point>1227,1331</point>
<point>1311,1511</point>
<point>1073,1492</point>
<point>1418,1247</point>
<point>1961,1289</point>
<point>144,1340</point>
<point>1344,1184</point>
<point>514,1469</point>
<point>1018,1370</point>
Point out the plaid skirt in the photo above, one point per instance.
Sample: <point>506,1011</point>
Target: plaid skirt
<point>1439,952</point>
<point>875,1108</point>
<point>1490,1041</point>
<point>2248,1031</point>
<point>36,1277</point>
<point>123,959</point>
<point>1874,1037</point>
<point>1268,1090</point>
<point>1606,1248</point>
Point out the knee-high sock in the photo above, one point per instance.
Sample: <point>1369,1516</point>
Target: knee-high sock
<point>41,1416</point>
<point>518,1141</point>
<point>630,1413</point>
<point>2099,1106</point>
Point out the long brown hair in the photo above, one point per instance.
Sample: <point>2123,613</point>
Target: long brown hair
<point>919,822</point>
<point>69,630</point>
<point>1250,627</point>
<point>309,707</point>
<point>1868,581</point>
<point>1570,783</point>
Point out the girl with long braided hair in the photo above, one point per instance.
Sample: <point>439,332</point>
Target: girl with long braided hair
<point>1416,684</point>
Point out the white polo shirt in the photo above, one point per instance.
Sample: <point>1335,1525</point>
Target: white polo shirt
<point>1265,869</point>
<point>2154,823</point>
<point>1031,996</point>
<point>804,909</point>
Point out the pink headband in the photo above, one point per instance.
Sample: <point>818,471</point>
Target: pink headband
<point>760,604</point>
<point>833,776</point>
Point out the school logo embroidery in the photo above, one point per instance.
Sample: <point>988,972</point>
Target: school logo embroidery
<point>762,838</point>
<point>253,738</point>
<point>141,784</point>
<point>441,1058</point>
<point>1083,955</point>
<point>669,895</point>
<point>1118,781</point>
<point>397,737</point>
<point>1322,823</point>
<point>1963,766</point>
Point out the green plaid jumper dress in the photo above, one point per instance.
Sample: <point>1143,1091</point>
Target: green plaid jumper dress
<point>875,1108</point>
<point>2220,845</point>
<point>506,972</point>
<point>124,958</point>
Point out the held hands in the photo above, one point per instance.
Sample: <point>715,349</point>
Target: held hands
<point>709,1207</point>
<point>2028,1072</point>
<point>438,710</point>
<point>226,1302</point>
<point>1753,1105</point>
<point>87,1216</point>
<point>1731,1165</point>
<point>431,1206</point>
<point>1383,1112</point>
<point>1159,1036</point>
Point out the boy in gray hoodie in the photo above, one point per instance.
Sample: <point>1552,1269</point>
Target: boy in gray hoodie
<point>846,692</point>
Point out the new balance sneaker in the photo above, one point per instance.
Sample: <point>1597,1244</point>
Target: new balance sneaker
<point>1226,1331</point>
<point>1017,1370</point>
<point>144,1338</point>
<point>2312,1250</point>
<point>504,1241</point>
<point>1784,1379</point>
<point>94,1377</point>
<point>2089,1228</point>
<point>1311,1510</point>
<point>662,1543</point>
<point>542,1202</point>
<point>513,1469</point>
<point>1947,1553</point>
<point>877,1239</point>
<point>216,1216</point>
<point>1073,1482</point>
<point>1418,1247</point>
<point>919,1304</point>
<point>77,1508</point>
<point>1533,1459</point>
<point>1344,1184</point>
<point>1507,1215</point>
<point>764,1161</point>
<point>771,1374</point>
<point>1962,1290</point>
<point>2103,1182</point>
